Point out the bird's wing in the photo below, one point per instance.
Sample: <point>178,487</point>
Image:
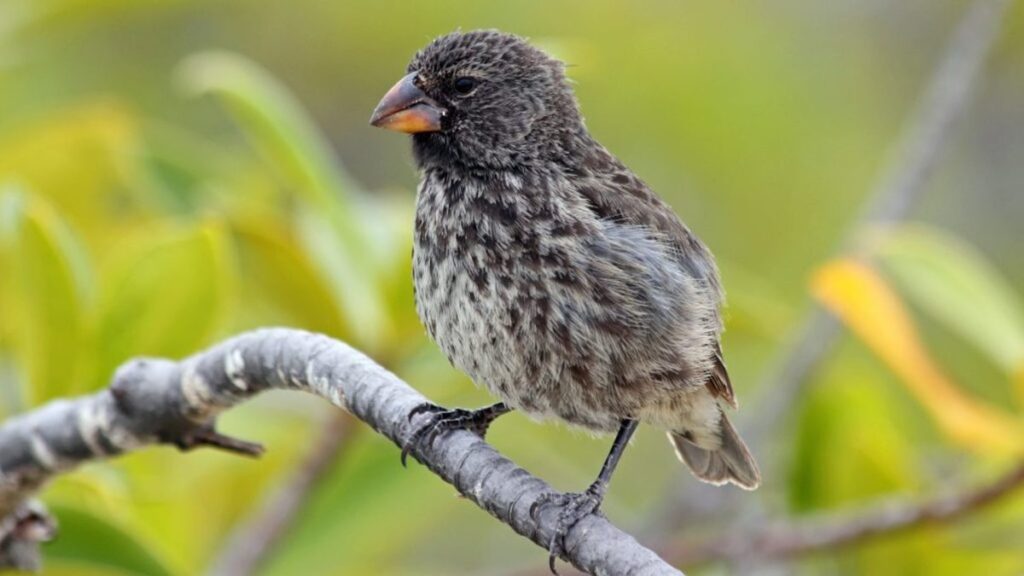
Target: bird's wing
<point>613,192</point>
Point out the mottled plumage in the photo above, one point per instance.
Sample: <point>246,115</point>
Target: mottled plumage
<point>549,272</point>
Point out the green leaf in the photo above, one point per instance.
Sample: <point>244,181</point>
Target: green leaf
<point>279,127</point>
<point>357,294</point>
<point>281,276</point>
<point>350,519</point>
<point>957,285</point>
<point>393,237</point>
<point>165,298</point>
<point>95,542</point>
<point>855,437</point>
<point>79,159</point>
<point>47,284</point>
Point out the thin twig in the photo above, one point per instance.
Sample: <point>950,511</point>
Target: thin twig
<point>830,531</point>
<point>255,540</point>
<point>152,401</point>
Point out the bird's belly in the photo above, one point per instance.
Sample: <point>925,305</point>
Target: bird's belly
<point>590,329</point>
<point>464,319</point>
<point>497,334</point>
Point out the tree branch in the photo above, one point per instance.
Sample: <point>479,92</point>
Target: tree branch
<point>829,531</point>
<point>153,401</point>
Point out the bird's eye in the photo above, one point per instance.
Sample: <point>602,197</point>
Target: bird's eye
<point>464,85</point>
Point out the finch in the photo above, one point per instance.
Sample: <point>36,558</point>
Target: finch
<point>550,273</point>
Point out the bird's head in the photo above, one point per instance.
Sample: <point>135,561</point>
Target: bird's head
<point>481,99</point>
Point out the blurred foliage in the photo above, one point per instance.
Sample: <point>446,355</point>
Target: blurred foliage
<point>862,300</point>
<point>175,171</point>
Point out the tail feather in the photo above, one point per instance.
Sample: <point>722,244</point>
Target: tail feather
<point>731,462</point>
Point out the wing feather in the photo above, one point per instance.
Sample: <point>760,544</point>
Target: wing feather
<point>718,381</point>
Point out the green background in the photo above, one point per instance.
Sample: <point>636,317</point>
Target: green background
<point>175,171</point>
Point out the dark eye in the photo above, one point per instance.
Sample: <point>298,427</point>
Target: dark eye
<point>464,85</point>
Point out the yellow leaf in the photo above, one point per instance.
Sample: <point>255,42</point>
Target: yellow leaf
<point>165,296</point>
<point>864,302</point>
<point>280,276</point>
<point>46,289</point>
<point>82,160</point>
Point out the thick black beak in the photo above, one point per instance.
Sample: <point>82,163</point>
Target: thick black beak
<point>405,108</point>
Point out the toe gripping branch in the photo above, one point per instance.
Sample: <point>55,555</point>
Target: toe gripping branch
<point>578,505</point>
<point>439,421</point>
<point>574,507</point>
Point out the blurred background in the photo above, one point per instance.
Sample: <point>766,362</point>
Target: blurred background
<point>175,171</point>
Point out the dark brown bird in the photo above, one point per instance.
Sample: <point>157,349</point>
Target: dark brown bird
<point>549,272</point>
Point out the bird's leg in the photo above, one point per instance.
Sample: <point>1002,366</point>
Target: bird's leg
<point>578,505</point>
<point>440,420</point>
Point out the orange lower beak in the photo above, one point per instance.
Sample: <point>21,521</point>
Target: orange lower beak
<point>405,108</point>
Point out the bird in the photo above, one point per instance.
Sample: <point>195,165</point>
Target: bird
<point>550,273</point>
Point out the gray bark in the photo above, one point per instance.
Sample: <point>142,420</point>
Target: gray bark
<point>153,401</point>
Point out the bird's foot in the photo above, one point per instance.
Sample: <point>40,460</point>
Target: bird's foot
<point>574,506</point>
<point>440,420</point>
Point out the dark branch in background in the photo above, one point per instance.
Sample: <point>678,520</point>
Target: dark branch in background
<point>152,401</point>
<point>942,103</point>
<point>253,542</point>
<point>829,531</point>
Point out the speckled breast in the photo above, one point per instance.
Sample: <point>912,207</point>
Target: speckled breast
<point>470,293</point>
<point>578,319</point>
